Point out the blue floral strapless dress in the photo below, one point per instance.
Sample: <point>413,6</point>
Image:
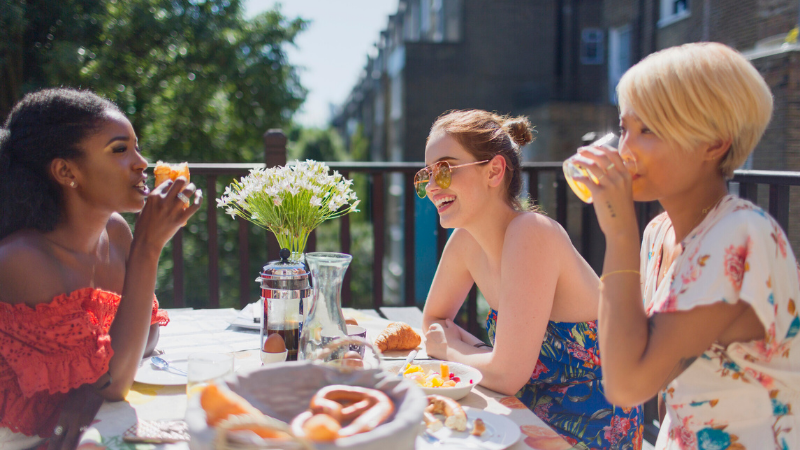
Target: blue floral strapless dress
<point>565,390</point>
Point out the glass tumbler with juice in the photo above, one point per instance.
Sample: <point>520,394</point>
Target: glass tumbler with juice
<point>573,169</point>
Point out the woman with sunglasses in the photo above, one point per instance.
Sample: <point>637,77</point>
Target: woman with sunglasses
<point>712,320</point>
<point>542,294</point>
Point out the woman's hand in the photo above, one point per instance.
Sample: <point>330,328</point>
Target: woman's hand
<point>438,335</point>
<point>77,414</point>
<point>612,194</point>
<point>168,208</point>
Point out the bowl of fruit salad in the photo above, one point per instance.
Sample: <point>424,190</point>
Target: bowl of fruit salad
<point>450,379</point>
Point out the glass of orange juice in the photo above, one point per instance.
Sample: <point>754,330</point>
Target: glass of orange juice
<point>573,169</point>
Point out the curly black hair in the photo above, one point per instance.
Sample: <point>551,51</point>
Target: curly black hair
<point>43,126</point>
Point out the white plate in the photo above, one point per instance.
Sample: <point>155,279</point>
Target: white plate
<point>149,374</point>
<point>500,433</point>
<point>245,322</point>
<point>245,317</point>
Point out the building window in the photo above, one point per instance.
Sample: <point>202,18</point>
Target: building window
<point>673,11</point>
<point>619,58</point>
<point>592,46</point>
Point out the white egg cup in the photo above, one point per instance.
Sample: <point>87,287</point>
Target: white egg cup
<point>269,358</point>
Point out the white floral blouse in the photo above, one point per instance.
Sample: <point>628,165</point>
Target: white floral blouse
<point>742,396</point>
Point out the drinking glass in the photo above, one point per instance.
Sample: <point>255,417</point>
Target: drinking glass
<point>573,169</point>
<point>205,368</point>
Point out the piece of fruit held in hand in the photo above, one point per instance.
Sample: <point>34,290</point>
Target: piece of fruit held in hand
<point>165,171</point>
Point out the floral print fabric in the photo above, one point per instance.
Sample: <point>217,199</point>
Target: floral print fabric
<point>739,397</point>
<point>565,390</point>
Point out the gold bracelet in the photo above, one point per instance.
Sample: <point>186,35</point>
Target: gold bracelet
<point>615,272</point>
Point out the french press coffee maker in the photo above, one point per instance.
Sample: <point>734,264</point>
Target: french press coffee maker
<point>285,294</point>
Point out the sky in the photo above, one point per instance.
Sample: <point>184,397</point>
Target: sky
<point>333,50</point>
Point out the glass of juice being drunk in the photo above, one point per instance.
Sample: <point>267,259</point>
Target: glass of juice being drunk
<point>573,169</point>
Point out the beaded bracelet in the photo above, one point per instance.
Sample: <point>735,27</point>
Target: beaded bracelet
<point>616,272</point>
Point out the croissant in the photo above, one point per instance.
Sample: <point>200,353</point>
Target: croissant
<point>398,336</point>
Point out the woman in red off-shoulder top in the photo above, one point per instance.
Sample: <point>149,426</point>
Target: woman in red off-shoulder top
<point>77,304</point>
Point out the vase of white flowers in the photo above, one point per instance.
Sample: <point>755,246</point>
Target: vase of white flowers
<point>290,201</point>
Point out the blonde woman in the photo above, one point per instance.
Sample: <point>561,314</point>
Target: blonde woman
<point>543,295</point>
<point>717,331</point>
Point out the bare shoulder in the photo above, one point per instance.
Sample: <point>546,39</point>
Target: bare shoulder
<point>119,233</point>
<point>28,271</point>
<point>535,229</point>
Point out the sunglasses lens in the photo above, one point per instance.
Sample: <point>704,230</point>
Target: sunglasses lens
<point>442,174</point>
<point>421,182</point>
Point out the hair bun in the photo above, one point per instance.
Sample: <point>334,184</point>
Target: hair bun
<point>520,130</point>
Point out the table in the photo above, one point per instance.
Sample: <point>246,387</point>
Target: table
<point>210,330</point>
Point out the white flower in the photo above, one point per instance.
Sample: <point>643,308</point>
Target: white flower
<point>231,211</point>
<point>315,201</point>
<point>277,201</point>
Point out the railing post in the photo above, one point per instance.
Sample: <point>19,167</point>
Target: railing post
<point>409,242</point>
<point>378,229</point>
<point>561,200</point>
<point>749,191</point>
<point>274,155</point>
<point>213,246</point>
<point>245,278</point>
<point>345,241</point>
<point>779,205</point>
<point>533,185</point>
<point>177,270</point>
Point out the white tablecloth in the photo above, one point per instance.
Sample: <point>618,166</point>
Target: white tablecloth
<point>210,331</point>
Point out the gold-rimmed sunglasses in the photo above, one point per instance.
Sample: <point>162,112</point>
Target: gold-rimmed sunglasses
<point>442,173</point>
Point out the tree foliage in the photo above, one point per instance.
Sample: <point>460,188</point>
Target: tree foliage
<point>197,79</point>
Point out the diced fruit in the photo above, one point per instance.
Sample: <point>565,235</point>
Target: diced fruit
<point>445,370</point>
<point>456,379</point>
<point>449,383</point>
<point>452,375</point>
<point>412,368</point>
<point>436,381</point>
<point>416,376</point>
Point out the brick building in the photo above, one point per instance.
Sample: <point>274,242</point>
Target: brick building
<point>558,62</point>
<point>508,56</point>
<point>757,28</point>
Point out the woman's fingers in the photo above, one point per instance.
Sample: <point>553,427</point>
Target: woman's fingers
<point>192,207</point>
<point>603,164</point>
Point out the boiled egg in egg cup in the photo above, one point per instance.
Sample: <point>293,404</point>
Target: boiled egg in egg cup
<point>274,350</point>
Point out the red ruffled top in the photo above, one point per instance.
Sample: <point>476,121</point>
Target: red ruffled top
<point>50,349</point>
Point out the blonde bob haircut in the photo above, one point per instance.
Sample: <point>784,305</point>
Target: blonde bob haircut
<point>700,93</point>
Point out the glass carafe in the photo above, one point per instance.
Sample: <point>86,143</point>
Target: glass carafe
<point>325,321</point>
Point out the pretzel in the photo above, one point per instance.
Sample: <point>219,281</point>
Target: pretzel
<point>455,417</point>
<point>356,409</point>
<point>431,422</point>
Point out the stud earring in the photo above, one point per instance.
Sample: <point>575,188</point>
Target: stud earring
<point>72,184</point>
